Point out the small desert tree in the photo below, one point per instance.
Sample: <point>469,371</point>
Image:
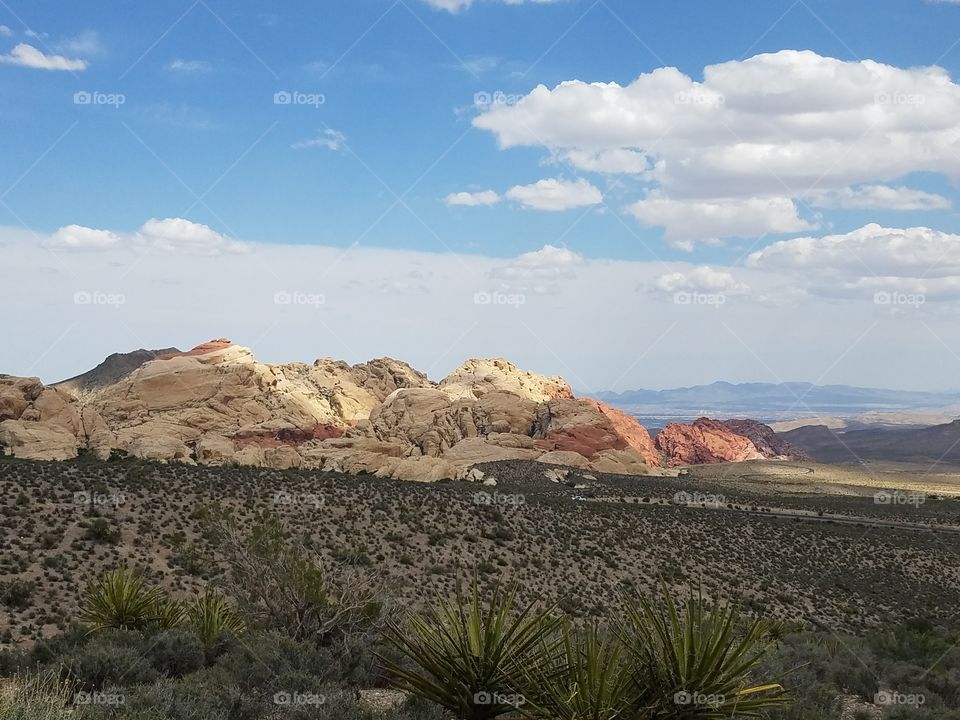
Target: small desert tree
<point>283,585</point>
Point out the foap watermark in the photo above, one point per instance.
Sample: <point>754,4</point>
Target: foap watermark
<point>897,97</point>
<point>486,697</point>
<point>98,698</point>
<point>892,697</point>
<point>298,98</point>
<point>485,99</point>
<point>515,300</point>
<point>498,498</point>
<point>97,297</point>
<point>698,498</point>
<point>98,98</point>
<point>687,698</point>
<point>897,497</point>
<point>298,499</point>
<point>305,299</point>
<point>699,98</point>
<point>99,499</point>
<point>684,297</point>
<point>295,697</point>
<point>885,297</point>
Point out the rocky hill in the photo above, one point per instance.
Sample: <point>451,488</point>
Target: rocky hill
<point>215,404</point>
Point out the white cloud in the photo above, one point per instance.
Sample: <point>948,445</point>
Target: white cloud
<point>538,271</point>
<point>170,235</point>
<point>28,56</point>
<point>878,197</point>
<point>870,250</point>
<point>176,235</point>
<point>5,31</point>
<point>869,259</point>
<point>687,221</point>
<point>189,67</point>
<point>774,125</point>
<point>702,279</point>
<point>329,139</point>
<point>554,195</point>
<point>78,237</point>
<point>473,199</point>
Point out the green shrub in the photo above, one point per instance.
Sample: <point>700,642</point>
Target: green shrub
<point>16,594</point>
<point>114,659</point>
<point>175,653</point>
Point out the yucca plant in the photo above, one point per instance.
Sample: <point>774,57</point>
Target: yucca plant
<point>167,614</point>
<point>472,657</point>
<point>211,616</point>
<point>697,662</point>
<point>593,678</point>
<point>119,600</point>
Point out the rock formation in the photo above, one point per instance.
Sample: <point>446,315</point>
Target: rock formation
<point>215,404</point>
<point>714,441</point>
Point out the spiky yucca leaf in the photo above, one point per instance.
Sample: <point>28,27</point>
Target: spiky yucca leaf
<point>696,662</point>
<point>212,616</point>
<point>471,657</point>
<point>592,680</point>
<point>119,600</point>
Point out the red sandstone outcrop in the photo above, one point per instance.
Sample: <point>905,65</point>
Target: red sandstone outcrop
<point>705,441</point>
<point>766,440</point>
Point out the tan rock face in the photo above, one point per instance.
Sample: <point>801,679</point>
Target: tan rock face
<point>215,404</point>
<point>478,377</point>
<point>37,441</point>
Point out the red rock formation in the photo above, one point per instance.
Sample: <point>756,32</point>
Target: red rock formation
<point>705,441</point>
<point>589,427</point>
<point>766,440</point>
<point>630,429</point>
<point>201,349</point>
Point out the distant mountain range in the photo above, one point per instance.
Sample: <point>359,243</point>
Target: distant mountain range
<point>772,402</point>
<point>937,444</point>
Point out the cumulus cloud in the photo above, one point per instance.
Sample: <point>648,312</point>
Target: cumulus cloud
<point>28,56</point>
<point>189,67</point>
<point>5,31</point>
<point>870,258</point>
<point>554,195</point>
<point>170,235</point>
<point>878,197</point>
<point>78,237</point>
<point>176,235</point>
<point>538,271</point>
<point>687,221</point>
<point>774,125</point>
<point>701,279</point>
<point>328,139</point>
<point>473,199</point>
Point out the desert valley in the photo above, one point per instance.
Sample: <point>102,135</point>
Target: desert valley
<point>153,458</point>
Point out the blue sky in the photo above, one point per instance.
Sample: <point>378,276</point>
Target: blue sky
<point>183,124</point>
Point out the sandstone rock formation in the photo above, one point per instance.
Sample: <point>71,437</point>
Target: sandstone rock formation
<point>46,423</point>
<point>714,441</point>
<point>215,404</point>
